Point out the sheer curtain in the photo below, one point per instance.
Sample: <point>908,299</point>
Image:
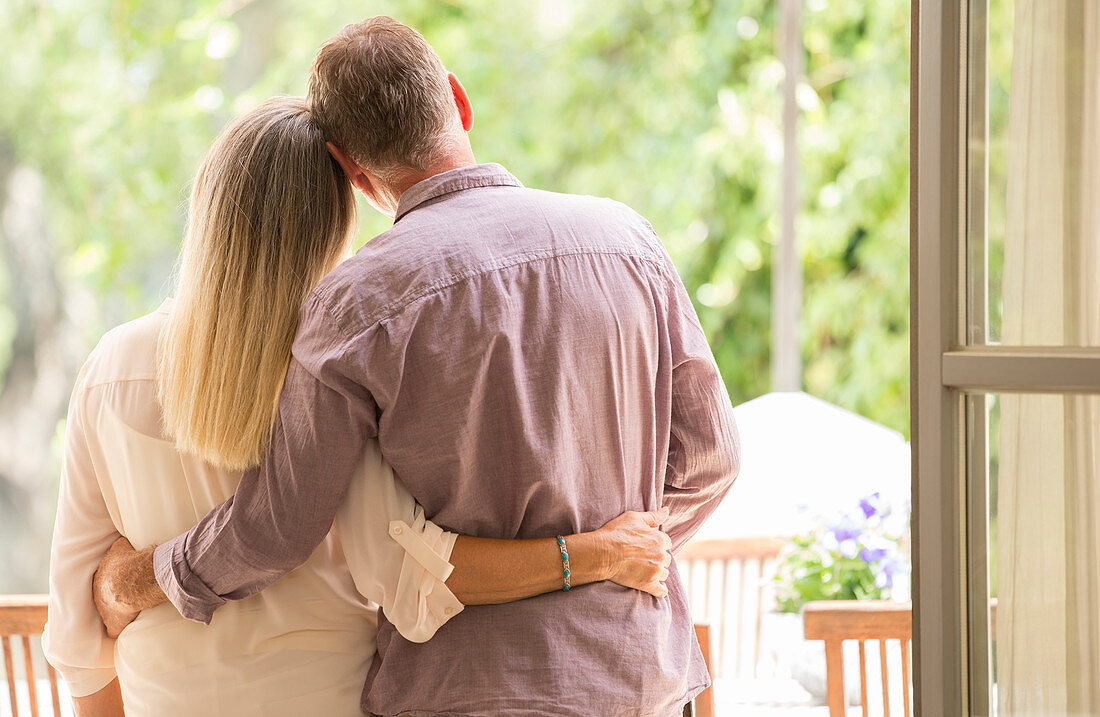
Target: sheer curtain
<point>1048,503</point>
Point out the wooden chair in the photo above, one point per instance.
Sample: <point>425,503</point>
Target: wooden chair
<point>704,701</point>
<point>835,621</point>
<point>21,617</point>
<point>731,556</point>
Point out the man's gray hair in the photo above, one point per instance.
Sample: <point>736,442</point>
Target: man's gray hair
<point>381,94</point>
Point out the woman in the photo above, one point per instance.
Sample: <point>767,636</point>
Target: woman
<point>171,408</point>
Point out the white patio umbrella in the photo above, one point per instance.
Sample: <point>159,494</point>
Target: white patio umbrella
<point>802,457</point>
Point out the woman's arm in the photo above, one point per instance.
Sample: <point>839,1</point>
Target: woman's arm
<point>74,640</point>
<point>105,703</point>
<point>422,576</point>
<point>630,550</point>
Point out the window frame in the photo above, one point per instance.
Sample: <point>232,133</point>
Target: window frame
<point>950,375</point>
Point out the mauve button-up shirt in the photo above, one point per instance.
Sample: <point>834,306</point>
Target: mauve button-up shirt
<point>531,366</point>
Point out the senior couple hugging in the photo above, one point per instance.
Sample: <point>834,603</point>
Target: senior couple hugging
<point>443,476</point>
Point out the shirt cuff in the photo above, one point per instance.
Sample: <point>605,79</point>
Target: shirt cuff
<point>424,572</point>
<point>85,681</point>
<point>418,547</point>
<point>442,603</point>
<point>86,665</point>
<point>192,597</point>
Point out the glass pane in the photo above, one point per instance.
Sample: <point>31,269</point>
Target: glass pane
<point>1033,259</point>
<point>1037,620</point>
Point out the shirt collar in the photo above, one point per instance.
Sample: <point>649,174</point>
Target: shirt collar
<point>455,180</point>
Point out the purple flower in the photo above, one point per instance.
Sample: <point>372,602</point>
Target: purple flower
<point>884,577</point>
<point>846,530</point>
<point>876,548</point>
<point>869,505</point>
<point>870,555</point>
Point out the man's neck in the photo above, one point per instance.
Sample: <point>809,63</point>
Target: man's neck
<point>446,164</point>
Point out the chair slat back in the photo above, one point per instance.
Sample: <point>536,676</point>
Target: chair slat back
<point>21,618</point>
<point>835,621</point>
<point>711,566</point>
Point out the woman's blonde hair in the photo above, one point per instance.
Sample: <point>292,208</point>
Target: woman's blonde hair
<point>270,214</point>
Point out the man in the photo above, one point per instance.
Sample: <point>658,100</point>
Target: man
<point>531,365</point>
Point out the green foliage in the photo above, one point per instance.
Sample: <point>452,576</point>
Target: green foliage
<point>855,556</point>
<point>671,106</point>
<point>1000,46</point>
<point>854,226</point>
<point>809,572</point>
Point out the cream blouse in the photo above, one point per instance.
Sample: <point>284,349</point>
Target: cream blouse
<point>304,643</point>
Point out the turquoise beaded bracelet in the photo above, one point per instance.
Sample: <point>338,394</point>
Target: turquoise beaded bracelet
<point>564,560</point>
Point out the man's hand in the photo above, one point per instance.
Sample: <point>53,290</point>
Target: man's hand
<point>124,585</point>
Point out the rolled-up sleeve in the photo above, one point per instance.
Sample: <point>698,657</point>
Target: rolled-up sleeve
<point>282,510</point>
<point>397,557</point>
<point>704,448</point>
<point>75,641</point>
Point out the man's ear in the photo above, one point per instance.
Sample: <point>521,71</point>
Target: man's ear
<point>462,102</point>
<point>358,177</point>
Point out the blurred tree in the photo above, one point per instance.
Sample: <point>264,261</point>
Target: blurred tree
<point>671,106</point>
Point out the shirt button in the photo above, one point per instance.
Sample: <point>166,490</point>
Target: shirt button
<point>448,611</point>
<point>397,530</point>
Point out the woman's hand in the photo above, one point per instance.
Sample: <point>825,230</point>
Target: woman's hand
<point>637,552</point>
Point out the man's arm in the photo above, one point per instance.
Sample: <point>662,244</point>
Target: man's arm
<point>629,550</point>
<point>704,454</point>
<point>281,511</point>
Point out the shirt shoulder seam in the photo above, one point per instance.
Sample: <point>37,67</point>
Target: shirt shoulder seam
<point>395,307</point>
<point>124,379</point>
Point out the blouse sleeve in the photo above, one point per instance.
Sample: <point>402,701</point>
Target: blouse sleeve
<point>75,641</point>
<point>397,557</point>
